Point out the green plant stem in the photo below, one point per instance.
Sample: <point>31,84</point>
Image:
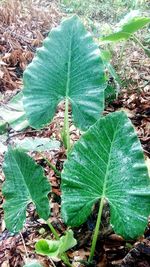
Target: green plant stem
<point>50,165</point>
<point>53,230</point>
<point>96,231</point>
<point>136,40</point>
<point>121,54</point>
<point>64,256</point>
<point>65,133</point>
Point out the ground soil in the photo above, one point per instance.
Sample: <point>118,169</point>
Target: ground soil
<point>23,26</point>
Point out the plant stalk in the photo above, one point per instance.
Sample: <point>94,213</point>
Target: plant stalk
<point>64,256</point>
<point>121,53</point>
<point>50,165</point>
<point>52,230</point>
<point>136,40</point>
<point>96,231</point>
<point>65,131</point>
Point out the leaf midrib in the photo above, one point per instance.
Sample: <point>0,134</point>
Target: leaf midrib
<point>28,191</point>
<point>108,165</point>
<point>69,66</point>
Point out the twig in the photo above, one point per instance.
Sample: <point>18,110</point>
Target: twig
<point>24,245</point>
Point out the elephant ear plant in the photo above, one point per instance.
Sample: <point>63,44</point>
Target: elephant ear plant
<point>25,183</point>
<point>106,164</point>
<point>69,67</point>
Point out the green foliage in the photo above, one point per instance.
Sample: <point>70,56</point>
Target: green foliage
<point>56,248</point>
<point>110,93</point>
<point>37,144</point>
<point>127,27</point>
<point>68,66</point>
<point>107,163</point>
<point>25,183</point>
<point>14,114</point>
<point>3,127</point>
<point>106,57</point>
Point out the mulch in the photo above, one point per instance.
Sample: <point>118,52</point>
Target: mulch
<point>23,26</point>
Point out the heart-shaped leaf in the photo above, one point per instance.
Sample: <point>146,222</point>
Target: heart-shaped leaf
<point>67,66</point>
<point>107,162</point>
<point>25,183</point>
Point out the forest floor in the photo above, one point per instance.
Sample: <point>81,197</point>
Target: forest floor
<point>23,26</point>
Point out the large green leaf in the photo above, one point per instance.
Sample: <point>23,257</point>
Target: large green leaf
<point>108,162</point>
<point>67,66</point>
<point>14,113</point>
<point>25,183</point>
<point>127,29</point>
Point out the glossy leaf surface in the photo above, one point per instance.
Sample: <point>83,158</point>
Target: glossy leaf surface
<point>108,162</point>
<point>25,183</point>
<point>68,65</point>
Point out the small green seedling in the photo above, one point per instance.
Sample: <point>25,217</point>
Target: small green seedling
<point>56,248</point>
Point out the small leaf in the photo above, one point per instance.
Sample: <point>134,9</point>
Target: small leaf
<point>108,162</point>
<point>47,247</point>
<point>67,241</point>
<point>25,183</point>
<point>14,113</point>
<point>67,66</point>
<point>55,248</point>
<point>37,144</point>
